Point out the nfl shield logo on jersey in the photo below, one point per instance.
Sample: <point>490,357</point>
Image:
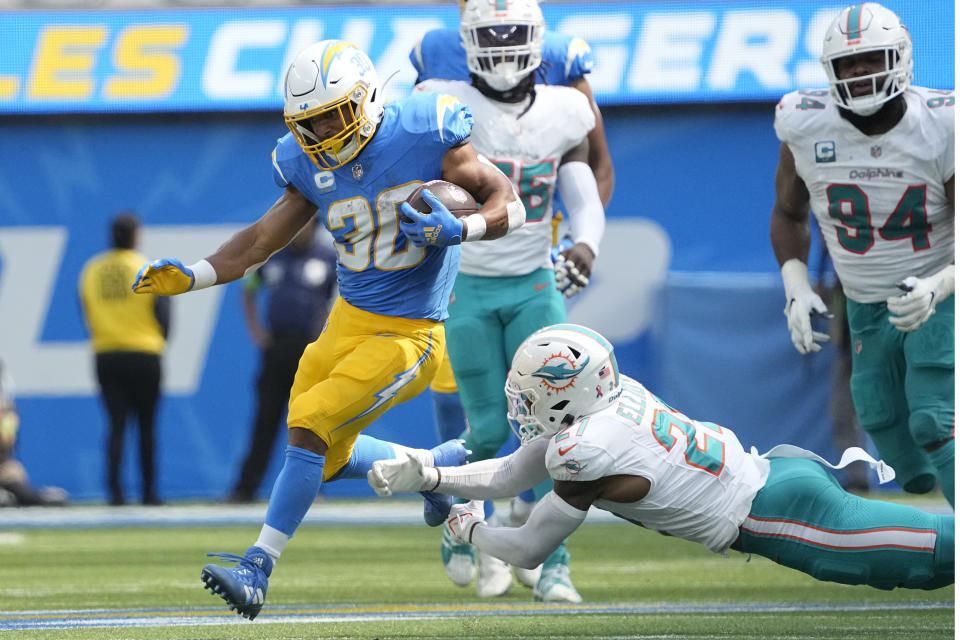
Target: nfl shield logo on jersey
<point>357,171</point>
<point>876,151</point>
<point>825,151</point>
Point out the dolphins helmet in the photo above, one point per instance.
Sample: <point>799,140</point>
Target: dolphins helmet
<point>559,374</point>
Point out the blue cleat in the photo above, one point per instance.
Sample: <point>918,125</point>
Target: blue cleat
<point>436,506</point>
<point>244,587</point>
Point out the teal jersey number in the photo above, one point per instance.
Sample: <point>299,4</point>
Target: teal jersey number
<point>533,182</point>
<point>848,204</point>
<point>701,450</point>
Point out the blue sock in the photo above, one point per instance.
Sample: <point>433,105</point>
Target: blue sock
<point>487,509</point>
<point>295,489</point>
<point>366,451</point>
<point>449,415</point>
<point>527,496</point>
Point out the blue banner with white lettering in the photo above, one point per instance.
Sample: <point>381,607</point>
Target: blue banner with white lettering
<point>231,59</point>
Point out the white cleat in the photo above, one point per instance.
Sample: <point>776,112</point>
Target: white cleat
<point>554,586</point>
<point>527,577</point>
<point>459,560</point>
<point>493,576</point>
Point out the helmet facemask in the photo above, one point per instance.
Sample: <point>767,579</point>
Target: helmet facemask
<point>885,84</point>
<point>341,148</point>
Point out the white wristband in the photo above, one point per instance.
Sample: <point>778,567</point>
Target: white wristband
<point>474,227</point>
<point>204,275</point>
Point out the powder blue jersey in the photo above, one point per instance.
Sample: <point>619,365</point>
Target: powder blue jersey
<point>440,56</point>
<point>378,269</point>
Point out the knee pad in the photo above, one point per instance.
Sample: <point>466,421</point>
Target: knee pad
<point>926,429</point>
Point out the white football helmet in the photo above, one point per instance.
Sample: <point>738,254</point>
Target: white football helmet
<point>559,374</point>
<point>864,28</point>
<point>503,40</point>
<point>332,77</point>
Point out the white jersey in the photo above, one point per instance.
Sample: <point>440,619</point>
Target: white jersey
<point>702,482</point>
<point>879,200</point>
<point>528,149</point>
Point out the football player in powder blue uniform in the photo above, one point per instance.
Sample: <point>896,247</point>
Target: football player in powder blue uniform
<point>352,161</point>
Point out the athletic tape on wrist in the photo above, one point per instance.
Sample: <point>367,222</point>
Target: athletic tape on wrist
<point>475,226</point>
<point>204,275</point>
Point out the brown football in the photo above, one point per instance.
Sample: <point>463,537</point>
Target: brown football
<point>454,197</point>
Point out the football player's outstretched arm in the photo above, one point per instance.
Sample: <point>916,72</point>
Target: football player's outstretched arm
<point>553,519</point>
<point>482,480</point>
<point>577,187</point>
<point>501,212</point>
<point>244,251</point>
<point>599,158</point>
<point>790,236</point>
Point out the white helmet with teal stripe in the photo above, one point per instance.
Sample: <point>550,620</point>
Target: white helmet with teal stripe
<point>559,374</point>
<point>503,40</point>
<point>863,29</point>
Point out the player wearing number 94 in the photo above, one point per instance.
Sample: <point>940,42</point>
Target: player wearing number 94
<point>352,161</point>
<point>874,158</point>
<point>608,442</point>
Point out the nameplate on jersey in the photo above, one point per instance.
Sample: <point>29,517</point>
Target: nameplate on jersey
<point>325,181</point>
<point>825,151</point>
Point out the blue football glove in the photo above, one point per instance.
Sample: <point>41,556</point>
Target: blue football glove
<point>167,277</point>
<point>439,228</point>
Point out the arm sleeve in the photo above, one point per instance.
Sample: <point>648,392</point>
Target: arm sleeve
<point>577,187</point>
<point>498,477</point>
<point>550,522</point>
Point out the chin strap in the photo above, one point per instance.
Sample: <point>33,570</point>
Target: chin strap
<point>517,93</point>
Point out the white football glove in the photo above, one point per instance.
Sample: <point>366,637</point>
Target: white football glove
<point>569,279</point>
<point>405,474</point>
<point>909,311</point>
<point>802,301</point>
<point>463,519</point>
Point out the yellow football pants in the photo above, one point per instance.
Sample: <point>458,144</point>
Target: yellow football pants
<point>444,381</point>
<point>361,365</point>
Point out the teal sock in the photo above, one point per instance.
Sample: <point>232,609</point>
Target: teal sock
<point>942,460</point>
<point>560,555</point>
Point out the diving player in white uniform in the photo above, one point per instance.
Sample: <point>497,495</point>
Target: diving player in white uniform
<point>873,157</point>
<point>536,134</point>
<point>608,442</point>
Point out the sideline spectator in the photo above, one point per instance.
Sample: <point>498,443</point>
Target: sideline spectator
<point>128,333</point>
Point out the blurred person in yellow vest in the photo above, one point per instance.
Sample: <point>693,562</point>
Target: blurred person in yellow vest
<point>128,334</point>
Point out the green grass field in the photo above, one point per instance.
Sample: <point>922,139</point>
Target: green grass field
<point>387,582</point>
